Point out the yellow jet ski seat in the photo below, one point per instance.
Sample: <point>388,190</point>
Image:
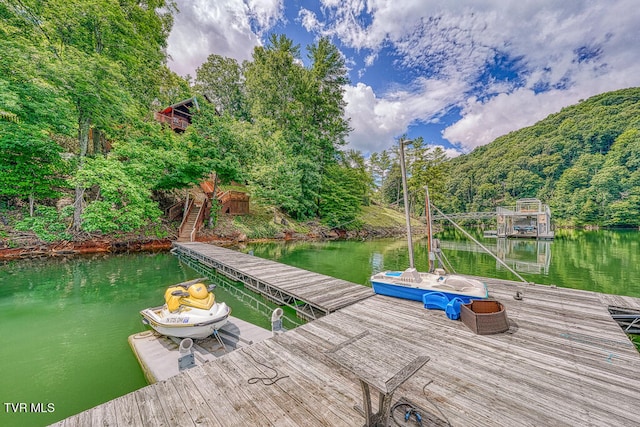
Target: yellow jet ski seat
<point>198,297</point>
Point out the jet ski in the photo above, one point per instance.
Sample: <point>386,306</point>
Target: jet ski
<point>190,311</point>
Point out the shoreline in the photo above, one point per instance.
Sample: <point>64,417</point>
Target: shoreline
<point>71,248</point>
<point>107,246</point>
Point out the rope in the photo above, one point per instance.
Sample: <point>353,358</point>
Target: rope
<point>264,380</point>
<point>444,260</point>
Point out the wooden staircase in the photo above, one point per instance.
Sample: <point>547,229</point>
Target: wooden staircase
<point>188,225</point>
<point>195,215</point>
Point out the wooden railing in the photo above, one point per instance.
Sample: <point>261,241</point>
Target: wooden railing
<point>174,210</point>
<point>174,121</point>
<point>186,217</point>
<point>199,219</point>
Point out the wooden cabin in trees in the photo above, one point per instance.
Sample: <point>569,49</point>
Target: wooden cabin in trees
<point>178,116</point>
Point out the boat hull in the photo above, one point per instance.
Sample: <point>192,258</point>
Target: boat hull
<point>196,324</point>
<point>396,284</point>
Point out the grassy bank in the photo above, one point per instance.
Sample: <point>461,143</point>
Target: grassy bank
<point>265,222</point>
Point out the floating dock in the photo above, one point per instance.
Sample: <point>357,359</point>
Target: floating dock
<point>160,356</point>
<point>563,362</point>
<point>311,295</point>
<point>529,219</point>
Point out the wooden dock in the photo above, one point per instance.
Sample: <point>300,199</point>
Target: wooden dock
<point>311,295</point>
<point>563,362</point>
<point>159,355</point>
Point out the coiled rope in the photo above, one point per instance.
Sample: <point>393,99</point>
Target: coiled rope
<point>269,380</point>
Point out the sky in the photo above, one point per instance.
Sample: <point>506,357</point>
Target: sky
<point>457,73</point>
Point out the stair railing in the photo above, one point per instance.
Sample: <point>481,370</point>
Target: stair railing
<point>185,218</point>
<point>199,220</point>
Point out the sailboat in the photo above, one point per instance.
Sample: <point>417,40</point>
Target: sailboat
<point>419,286</point>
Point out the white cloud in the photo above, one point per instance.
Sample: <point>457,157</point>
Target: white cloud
<point>377,121</point>
<point>229,28</point>
<point>563,51</point>
<point>571,49</point>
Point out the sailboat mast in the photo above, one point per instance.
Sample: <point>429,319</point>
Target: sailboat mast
<point>406,200</point>
<point>427,214</point>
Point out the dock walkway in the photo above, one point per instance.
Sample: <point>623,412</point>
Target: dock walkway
<point>311,295</point>
<point>159,355</point>
<point>563,362</point>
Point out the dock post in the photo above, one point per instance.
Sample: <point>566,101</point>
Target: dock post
<point>186,359</point>
<point>276,321</point>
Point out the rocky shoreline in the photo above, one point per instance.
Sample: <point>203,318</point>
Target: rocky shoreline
<point>104,245</point>
<point>69,248</point>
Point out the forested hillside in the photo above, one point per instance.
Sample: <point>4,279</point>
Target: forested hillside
<point>81,151</point>
<point>583,161</point>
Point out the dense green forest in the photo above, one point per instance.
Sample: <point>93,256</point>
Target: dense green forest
<point>78,87</point>
<point>583,161</point>
<point>81,152</point>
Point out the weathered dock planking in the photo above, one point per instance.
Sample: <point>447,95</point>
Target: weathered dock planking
<point>311,295</point>
<point>158,354</point>
<point>563,362</point>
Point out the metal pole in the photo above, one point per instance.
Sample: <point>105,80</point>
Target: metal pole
<point>427,214</point>
<point>406,202</point>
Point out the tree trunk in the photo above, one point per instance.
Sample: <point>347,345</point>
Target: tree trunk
<point>31,203</point>
<point>83,141</point>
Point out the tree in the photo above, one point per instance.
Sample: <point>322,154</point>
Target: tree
<point>213,146</point>
<point>33,112</point>
<point>122,202</point>
<point>220,81</point>
<point>272,81</point>
<point>379,166</point>
<point>30,165</point>
<point>427,168</point>
<point>106,55</point>
<point>363,185</point>
<point>304,105</point>
<point>340,198</point>
<point>274,175</point>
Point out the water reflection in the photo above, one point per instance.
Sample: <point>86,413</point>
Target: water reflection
<point>525,256</point>
<point>603,261</point>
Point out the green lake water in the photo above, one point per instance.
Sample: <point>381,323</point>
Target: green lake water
<point>65,322</point>
<point>601,261</point>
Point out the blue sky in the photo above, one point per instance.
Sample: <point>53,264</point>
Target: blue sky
<point>458,73</point>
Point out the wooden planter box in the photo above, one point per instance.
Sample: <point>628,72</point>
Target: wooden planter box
<point>484,317</point>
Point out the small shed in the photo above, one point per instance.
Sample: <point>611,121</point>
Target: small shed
<point>231,202</point>
<point>178,116</point>
<point>234,202</point>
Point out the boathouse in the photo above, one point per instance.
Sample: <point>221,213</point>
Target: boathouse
<point>530,218</point>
